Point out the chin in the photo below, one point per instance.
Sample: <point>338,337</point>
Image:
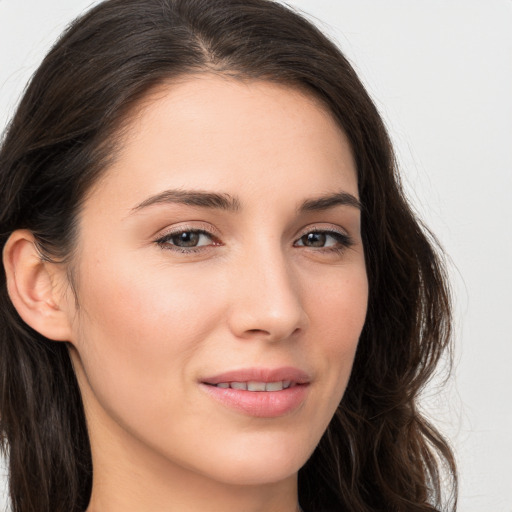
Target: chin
<point>258,464</point>
<point>256,474</point>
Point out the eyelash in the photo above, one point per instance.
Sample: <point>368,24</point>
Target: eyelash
<point>343,241</point>
<point>163,241</point>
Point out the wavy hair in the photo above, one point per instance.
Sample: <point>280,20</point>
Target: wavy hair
<point>378,453</point>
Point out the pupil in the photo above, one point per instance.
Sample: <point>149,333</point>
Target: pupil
<point>315,239</point>
<point>186,239</point>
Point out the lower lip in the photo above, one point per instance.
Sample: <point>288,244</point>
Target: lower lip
<point>261,404</point>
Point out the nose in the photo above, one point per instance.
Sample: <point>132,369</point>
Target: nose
<point>266,297</point>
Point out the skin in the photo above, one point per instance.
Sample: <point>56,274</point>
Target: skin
<point>153,320</point>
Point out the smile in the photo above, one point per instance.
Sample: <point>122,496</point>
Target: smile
<point>259,392</point>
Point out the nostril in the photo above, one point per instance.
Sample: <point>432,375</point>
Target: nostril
<point>275,334</point>
<point>258,331</point>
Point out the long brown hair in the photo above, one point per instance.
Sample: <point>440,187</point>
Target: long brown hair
<point>378,453</point>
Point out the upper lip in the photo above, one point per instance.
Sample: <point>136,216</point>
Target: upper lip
<point>285,373</point>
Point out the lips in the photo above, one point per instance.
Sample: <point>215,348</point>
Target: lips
<point>259,392</point>
<point>287,373</point>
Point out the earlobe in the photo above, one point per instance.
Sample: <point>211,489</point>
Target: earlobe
<point>32,287</point>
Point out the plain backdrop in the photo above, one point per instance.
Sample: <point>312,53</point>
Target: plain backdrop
<point>440,71</point>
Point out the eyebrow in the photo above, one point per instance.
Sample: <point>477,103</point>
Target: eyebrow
<point>223,201</point>
<point>330,201</point>
<point>192,198</point>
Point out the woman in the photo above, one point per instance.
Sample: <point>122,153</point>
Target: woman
<point>215,296</point>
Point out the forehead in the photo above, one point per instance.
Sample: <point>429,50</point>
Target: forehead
<point>234,136</point>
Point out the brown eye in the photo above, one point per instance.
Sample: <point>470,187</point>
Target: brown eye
<point>186,239</point>
<point>314,240</point>
<point>324,240</point>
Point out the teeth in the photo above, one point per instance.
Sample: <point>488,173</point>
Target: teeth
<point>274,386</point>
<point>256,386</point>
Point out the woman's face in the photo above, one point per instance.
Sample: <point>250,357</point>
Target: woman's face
<point>221,251</point>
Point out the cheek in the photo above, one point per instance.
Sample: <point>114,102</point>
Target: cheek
<point>138,331</point>
<point>339,307</point>
<point>337,313</point>
<point>134,303</point>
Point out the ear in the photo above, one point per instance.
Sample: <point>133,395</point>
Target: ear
<point>37,288</point>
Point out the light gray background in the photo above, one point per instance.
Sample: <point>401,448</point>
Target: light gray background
<point>441,73</point>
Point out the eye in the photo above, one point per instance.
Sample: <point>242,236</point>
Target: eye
<point>330,240</point>
<point>186,239</point>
